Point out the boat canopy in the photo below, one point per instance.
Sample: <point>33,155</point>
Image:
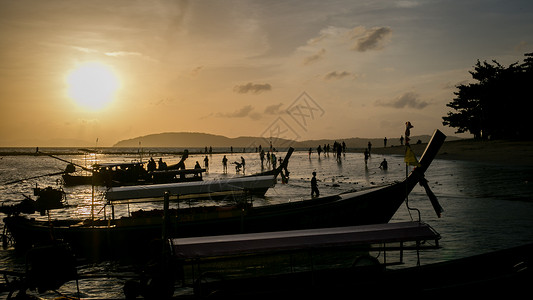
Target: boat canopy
<point>186,188</point>
<point>269,242</point>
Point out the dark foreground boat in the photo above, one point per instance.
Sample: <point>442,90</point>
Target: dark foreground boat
<point>131,236</point>
<point>343,262</point>
<point>507,273</point>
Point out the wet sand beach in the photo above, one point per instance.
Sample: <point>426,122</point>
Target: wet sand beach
<point>498,151</point>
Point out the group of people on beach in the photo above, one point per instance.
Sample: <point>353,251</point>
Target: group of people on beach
<point>271,160</point>
<point>338,149</point>
<point>238,165</point>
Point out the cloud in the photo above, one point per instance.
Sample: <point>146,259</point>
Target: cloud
<point>274,109</point>
<point>240,113</point>
<point>522,46</point>
<point>370,39</point>
<point>254,88</point>
<point>407,4</point>
<point>327,33</point>
<point>90,122</point>
<point>409,100</point>
<point>112,53</point>
<point>315,57</point>
<point>448,85</point>
<point>196,71</point>
<point>122,53</point>
<point>84,49</point>
<point>337,75</point>
<point>162,101</point>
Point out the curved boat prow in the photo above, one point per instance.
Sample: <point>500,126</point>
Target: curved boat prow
<point>433,147</point>
<point>417,175</point>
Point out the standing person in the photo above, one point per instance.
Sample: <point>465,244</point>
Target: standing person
<point>243,164</point>
<point>408,127</point>
<point>385,142</point>
<point>369,148</point>
<point>206,163</point>
<point>161,164</point>
<point>401,140</point>
<point>314,186</point>
<point>151,165</point>
<point>225,164</point>
<point>262,156</point>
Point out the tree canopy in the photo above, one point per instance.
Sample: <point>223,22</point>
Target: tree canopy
<point>498,105</point>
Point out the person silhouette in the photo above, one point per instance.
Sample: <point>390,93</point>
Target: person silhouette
<point>225,164</point>
<point>206,162</point>
<point>408,127</point>
<point>384,165</point>
<point>314,186</point>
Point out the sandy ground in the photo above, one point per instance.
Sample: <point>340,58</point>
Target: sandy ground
<point>504,152</point>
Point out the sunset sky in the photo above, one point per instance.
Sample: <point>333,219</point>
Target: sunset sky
<point>72,72</point>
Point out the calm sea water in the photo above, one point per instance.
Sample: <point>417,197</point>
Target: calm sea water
<point>486,206</point>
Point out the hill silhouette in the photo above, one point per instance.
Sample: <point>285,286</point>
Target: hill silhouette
<point>201,140</point>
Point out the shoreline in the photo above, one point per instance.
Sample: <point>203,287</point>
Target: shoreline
<point>513,152</point>
<point>498,151</point>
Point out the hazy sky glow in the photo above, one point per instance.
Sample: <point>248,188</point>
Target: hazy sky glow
<point>304,69</point>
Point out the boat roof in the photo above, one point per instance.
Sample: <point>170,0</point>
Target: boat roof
<point>186,188</point>
<point>268,242</point>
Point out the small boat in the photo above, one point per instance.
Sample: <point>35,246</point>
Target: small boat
<point>131,236</point>
<point>129,173</point>
<point>133,173</point>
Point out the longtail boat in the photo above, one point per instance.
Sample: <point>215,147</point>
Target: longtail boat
<point>131,236</point>
<point>129,173</point>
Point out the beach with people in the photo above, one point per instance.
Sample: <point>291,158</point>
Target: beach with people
<point>512,152</point>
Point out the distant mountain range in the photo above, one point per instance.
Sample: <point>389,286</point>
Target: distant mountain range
<point>202,140</point>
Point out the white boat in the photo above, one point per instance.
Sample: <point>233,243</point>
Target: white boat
<point>255,185</point>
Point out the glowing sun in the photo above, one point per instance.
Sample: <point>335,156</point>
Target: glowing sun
<point>92,85</point>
